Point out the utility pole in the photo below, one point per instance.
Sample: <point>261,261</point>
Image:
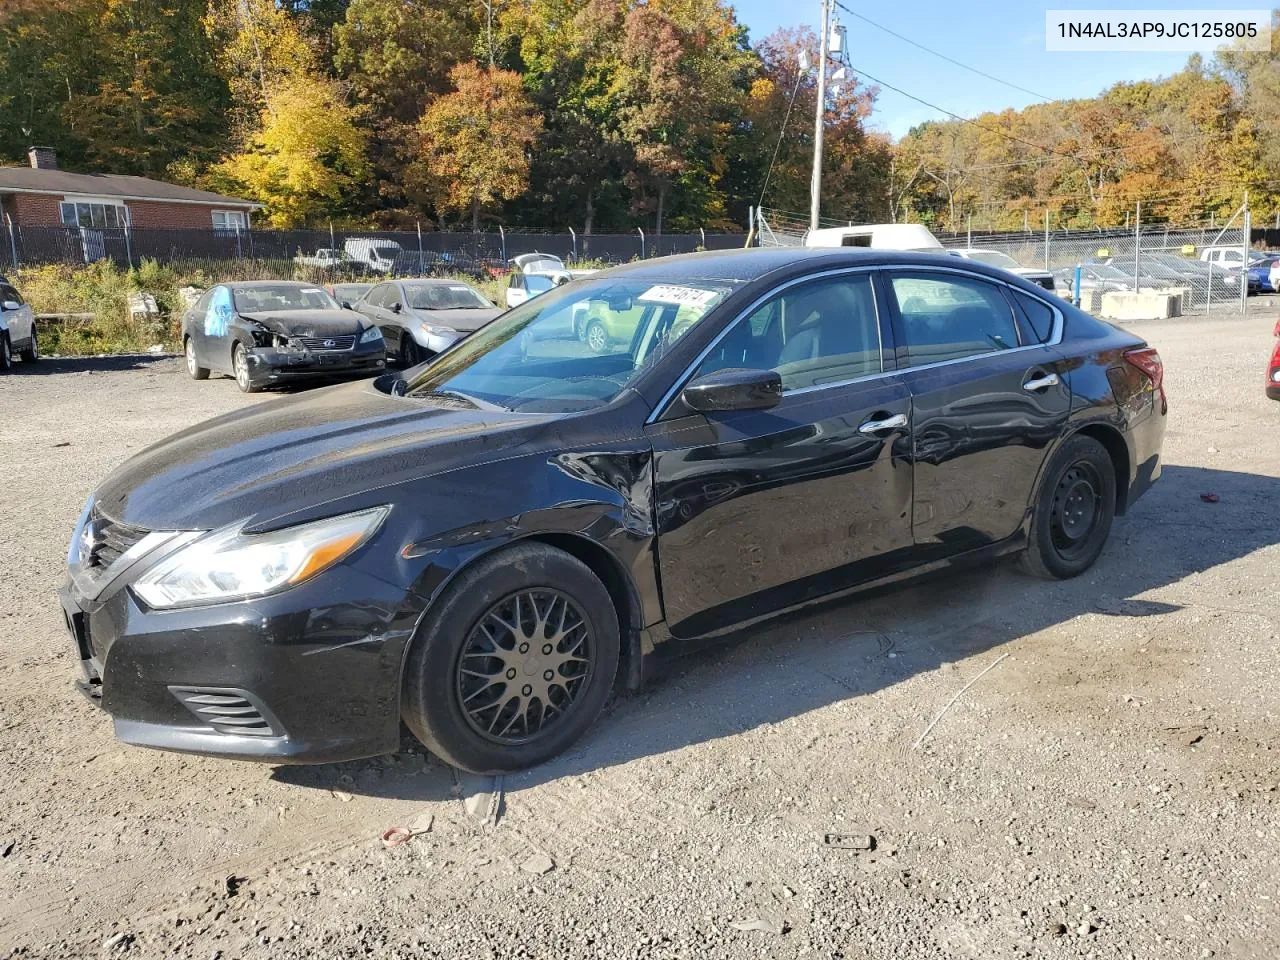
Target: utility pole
<point>815,187</point>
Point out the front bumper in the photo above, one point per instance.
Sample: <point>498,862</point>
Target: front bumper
<point>269,365</point>
<point>308,675</point>
<point>437,342</point>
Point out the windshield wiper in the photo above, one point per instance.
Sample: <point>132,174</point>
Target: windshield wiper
<point>456,398</point>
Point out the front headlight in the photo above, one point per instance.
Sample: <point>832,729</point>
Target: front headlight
<point>435,328</point>
<point>228,565</point>
<point>371,334</point>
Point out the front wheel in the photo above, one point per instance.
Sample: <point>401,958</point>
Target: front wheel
<point>31,353</point>
<point>1073,513</point>
<point>515,662</point>
<point>6,352</point>
<point>240,363</point>
<point>597,337</point>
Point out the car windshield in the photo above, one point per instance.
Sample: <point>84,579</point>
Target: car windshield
<point>538,284</point>
<point>351,292</point>
<point>993,258</point>
<point>282,297</point>
<point>573,349</point>
<point>444,296</point>
<point>543,263</point>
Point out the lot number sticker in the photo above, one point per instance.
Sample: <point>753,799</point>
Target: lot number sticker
<point>682,296</point>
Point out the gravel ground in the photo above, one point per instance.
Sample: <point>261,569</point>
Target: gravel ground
<point>1109,789</point>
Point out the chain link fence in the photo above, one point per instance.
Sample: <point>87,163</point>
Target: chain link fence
<point>1204,263</point>
<point>339,254</point>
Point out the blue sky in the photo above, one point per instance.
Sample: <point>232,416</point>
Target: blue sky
<point>1001,37</point>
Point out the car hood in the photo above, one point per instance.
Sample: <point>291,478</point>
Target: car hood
<point>308,323</point>
<point>288,455</point>
<point>464,320</point>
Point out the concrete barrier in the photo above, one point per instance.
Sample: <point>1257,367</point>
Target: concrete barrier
<point>1142,305</point>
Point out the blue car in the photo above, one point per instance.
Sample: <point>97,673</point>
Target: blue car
<point>1260,275</point>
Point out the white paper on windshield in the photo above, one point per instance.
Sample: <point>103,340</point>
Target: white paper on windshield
<point>683,296</point>
<point>460,289</point>
<point>312,290</point>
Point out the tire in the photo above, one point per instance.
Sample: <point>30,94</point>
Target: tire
<point>31,352</point>
<point>194,370</point>
<point>448,707</point>
<point>240,366</point>
<point>6,353</point>
<point>410,352</point>
<point>597,337</point>
<point>1073,511</point>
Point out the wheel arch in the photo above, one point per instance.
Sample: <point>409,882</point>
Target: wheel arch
<point>1113,442</point>
<point>600,561</point>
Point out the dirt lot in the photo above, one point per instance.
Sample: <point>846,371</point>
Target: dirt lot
<point>1109,789</point>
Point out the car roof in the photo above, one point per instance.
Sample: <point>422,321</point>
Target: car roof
<point>252,284</point>
<point>744,266</point>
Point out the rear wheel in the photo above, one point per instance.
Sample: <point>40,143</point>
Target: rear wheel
<point>514,663</point>
<point>31,353</point>
<point>240,363</point>
<point>6,352</point>
<point>194,370</point>
<point>1073,514</point>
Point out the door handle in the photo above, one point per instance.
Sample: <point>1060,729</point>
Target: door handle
<point>896,422</point>
<point>1039,383</point>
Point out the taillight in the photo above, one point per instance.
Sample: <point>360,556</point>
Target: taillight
<point>1276,331</point>
<point>1147,359</point>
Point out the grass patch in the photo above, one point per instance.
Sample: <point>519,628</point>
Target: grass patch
<point>102,290</point>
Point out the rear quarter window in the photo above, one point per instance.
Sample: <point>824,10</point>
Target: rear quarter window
<point>1037,314</point>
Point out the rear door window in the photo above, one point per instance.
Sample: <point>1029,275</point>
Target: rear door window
<point>949,317</point>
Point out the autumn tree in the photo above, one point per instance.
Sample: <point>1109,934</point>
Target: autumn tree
<point>305,160</point>
<point>476,140</point>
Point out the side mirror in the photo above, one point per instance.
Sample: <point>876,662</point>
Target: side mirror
<point>734,389</point>
<point>346,305</point>
<point>395,307</point>
<point>11,305</point>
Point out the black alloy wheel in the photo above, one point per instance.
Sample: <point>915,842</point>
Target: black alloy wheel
<point>514,662</point>
<point>524,664</point>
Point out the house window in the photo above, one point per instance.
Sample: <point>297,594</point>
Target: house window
<point>229,221</point>
<point>95,215</point>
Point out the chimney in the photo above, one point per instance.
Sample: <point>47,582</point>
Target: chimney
<point>43,158</point>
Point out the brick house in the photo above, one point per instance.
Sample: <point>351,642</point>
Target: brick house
<point>41,195</point>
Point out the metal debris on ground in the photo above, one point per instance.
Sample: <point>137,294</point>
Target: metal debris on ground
<point>341,795</point>
<point>958,695</point>
<point>396,836</point>
<point>481,796</point>
<point>422,823</point>
<point>538,864</point>
<point>847,841</point>
<point>767,924</point>
<point>1210,497</point>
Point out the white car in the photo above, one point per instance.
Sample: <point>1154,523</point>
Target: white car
<point>1229,257</point>
<point>525,286</point>
<point>17,328</point>
<point>994,258</point>
<point>877,236</point>
<point>372,253</point>
<point>324,257</point>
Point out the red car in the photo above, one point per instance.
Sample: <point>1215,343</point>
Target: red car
<point>1273,368</point>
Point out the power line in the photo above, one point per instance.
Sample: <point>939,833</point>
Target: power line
<point>955,116</point>
<point>942,56</point>
<point>781,133</point>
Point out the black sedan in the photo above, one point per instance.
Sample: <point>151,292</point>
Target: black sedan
<point>482,547</point>
<point>267,332</point>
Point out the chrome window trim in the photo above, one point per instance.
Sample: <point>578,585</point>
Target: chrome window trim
<point>1055,337</point>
